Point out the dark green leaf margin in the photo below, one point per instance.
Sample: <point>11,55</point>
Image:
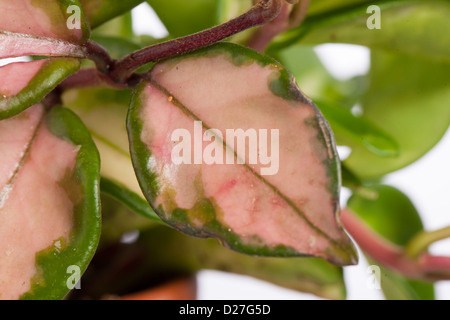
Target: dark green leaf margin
<point>52,264</point>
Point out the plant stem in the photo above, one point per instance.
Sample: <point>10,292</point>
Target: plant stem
<point>263,12</point>
<point>89,77</point>
<point>381,250</point>
<point>291,16</point>
<point>99,55</point>
<point>422,241</point>
<point>424,267</point>
<point>438,266</point>
<point>261,39</point>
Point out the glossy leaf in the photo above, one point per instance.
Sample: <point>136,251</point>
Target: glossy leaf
<point>286,210</point>
<point>101,11</point>
<point>387,213</point>
<point>358,129</point>
<point>411,105</point>
<point>189,17</point>
<point>316,81</point>
<point>41,27</point>
<point>412,83</point>
<point>335,99</point>
<point>24,84</point>
<point>410,27</point>
<point>49,203</point>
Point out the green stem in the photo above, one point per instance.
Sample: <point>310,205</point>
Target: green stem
<point>420,243</point>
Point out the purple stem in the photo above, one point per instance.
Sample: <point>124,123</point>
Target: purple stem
<point>263,12</point>
<point>89,77</point>
<point>99,56</point>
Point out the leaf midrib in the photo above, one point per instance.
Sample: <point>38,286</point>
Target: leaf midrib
<point>7,189</point>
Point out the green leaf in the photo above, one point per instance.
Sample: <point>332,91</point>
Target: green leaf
<point>179,256</point>
<point>411,27</point>
<point>327,6</point>
<point>50,238</point>
<point>101,11</point>
<point>117,47</point>
<point>397,287</point>
<point>393,216</point>
<point>315,80</point>
<point>132,200</point>
<point>358,130</point>
<point>250,207</point>
<point>415,78</point>
<point>24,84</point>
<point>119,27</point>
<point>411,105</point>
<point>189,16</point>
<point>387,212</point>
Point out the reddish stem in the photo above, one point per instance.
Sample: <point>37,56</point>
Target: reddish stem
<point>99,55</point>
<point>263,12</point>
<point>89,77</point>
<point>266,33</point>
<point>426,267</point>
<point>377,247</point>
<point>291,16</point>
<point>439,266</point>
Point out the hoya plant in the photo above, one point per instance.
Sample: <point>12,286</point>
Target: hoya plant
<point>128,162</point>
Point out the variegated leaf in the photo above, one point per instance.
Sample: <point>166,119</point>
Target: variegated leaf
<point>42,27</point>
<point>49,203</point>
<point>277,195</point>
<point>23,84</point>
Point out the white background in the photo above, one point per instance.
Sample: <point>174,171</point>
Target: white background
<point>427,182</point>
